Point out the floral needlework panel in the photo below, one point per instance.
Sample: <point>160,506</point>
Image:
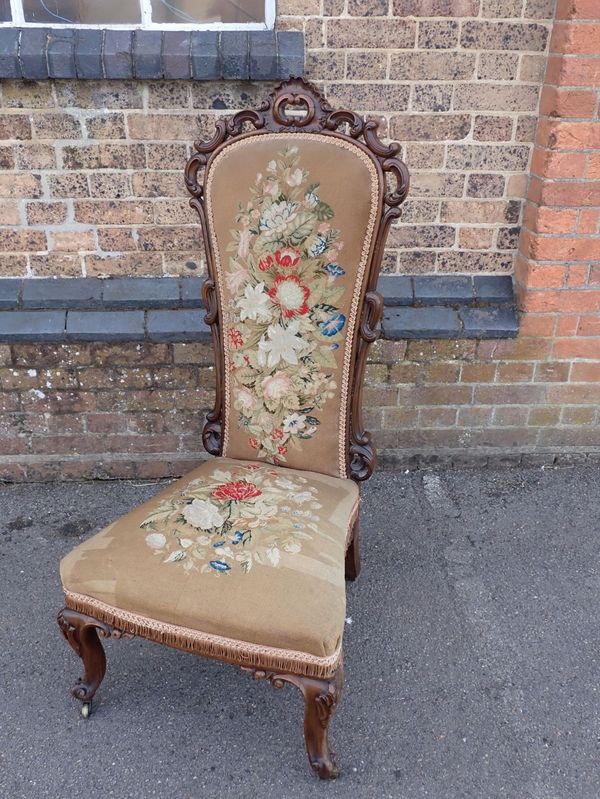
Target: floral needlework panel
<point>248,551</point>
<point>293,220</point>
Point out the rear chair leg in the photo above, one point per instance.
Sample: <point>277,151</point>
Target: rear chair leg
<point>82,633</point>
<point>353,555</point>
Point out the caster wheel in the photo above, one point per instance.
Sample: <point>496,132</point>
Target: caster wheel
<point>86,709</point>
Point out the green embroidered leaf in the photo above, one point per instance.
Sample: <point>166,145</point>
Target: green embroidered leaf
<point>324,211</point>
<point>312,420</point>
<point>302,229</point>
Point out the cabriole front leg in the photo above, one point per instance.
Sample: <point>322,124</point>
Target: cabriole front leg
<point>82,632</point>
<point>321,697</point>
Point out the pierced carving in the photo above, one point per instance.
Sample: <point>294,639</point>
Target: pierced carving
<point>296,105</point>
<point>321,698</point>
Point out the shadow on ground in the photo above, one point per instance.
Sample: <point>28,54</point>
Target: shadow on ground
<point>471,657</point>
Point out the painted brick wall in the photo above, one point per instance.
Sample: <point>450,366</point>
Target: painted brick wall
<point>91,181</point>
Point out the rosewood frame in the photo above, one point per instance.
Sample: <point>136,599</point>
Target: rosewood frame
<point>310,113</point>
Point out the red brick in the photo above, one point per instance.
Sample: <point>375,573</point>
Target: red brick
<point>586,372</point>
<point>557,248</point>
<point>589,222</point>
<point>514,372</point>
<point>572,103</point>
<point>569,348</point>
<point>557,165</point>
<point>566,325</point>
<point>589,325</point>
<point>549,220</point>
<point>593,170</point>
<point>573,71</point>
<point>569,194</point>
<point>537,324</point>
<point>577,9</point>
<point>563,301</point>
<point>573,38</point>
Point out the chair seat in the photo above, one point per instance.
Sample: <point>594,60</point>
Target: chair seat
<point>238,560</point>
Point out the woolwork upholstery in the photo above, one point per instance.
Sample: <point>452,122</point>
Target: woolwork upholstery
<point>292,238</point>
<point>249,555</point>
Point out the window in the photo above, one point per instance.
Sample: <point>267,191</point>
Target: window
<point>204,14</point>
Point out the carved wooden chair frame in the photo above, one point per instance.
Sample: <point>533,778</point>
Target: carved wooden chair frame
<point>293,106</point>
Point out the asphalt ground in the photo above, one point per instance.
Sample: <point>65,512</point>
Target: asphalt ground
<point>472,657</point>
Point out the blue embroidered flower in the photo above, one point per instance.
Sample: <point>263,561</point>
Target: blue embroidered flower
<point>237,537</point>
<point>220,544</point>
<point>333,325</point>
<point>220,565</point>
<point>318,248</point>
<point>335,270</point>
<point>334,347</point>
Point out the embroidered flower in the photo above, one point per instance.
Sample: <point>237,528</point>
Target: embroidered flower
<point>254,304</point>
<point>281,343</point>
<point>290,294</point>
<point>156,540</point>
<point>235,338</point>
<point>295,178</point>
<point>238,490</point>
<point>294,423</point>
<point>266,263</point>
<point>276,218</point>
<point>277,386</point>
<point>244,244</point>
<point>244,400</point>
<point>333,325</point>
<point>287,257</point>
<point>203,514</point>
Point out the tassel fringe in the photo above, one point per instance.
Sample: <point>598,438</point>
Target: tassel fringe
<point>240,653</point>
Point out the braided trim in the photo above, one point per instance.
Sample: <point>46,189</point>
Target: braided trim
<point>240,653</point>
<point>357,293</point>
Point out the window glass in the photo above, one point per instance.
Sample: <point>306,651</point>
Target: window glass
<point>189,11</point>
<point>86,12</point>
<point>5,15</point>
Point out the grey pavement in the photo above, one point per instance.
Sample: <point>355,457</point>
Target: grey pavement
<point>472,657</point>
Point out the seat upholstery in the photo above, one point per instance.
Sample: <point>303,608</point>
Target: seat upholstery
<point>238,560</point>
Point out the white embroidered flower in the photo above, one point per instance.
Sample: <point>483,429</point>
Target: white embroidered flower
<point>288,485</point>
<point>276,218</point>
<point>295,179</point>
<point>254,304</point>
<point>277,385</point>
<point>203,514</point>
<point>293,549</point>
<point>304,496</point>
<point>272,166</point>
<point>156,540</point>
<point>221,475</point>
<point>244,400</point>
<point>281,343</point>
<point>186,543</point>
<point>294,423</point>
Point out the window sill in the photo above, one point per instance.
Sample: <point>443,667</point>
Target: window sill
<point>94,54</point>
<point>169,309</point>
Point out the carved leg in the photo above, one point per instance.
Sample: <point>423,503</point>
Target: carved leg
<point>353,555</point>
<point>81,632</point>
<point>321,698</point>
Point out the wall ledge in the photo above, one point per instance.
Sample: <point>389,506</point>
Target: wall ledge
<point>168,309</point>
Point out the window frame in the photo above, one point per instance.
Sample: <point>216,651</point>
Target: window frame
<point>18,21</point>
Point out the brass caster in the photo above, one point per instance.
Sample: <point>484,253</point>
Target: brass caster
<point>86,710</point>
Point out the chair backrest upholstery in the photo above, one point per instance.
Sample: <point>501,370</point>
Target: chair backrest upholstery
<point>294,214</point>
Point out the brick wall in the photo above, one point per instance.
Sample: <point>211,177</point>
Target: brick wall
<point>91,181</point>
<point>136,410</point>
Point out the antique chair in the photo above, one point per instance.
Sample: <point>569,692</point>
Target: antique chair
<point>243,559</point>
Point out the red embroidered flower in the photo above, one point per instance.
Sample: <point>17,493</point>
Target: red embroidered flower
<point>282,450</point>
<point>277,434</point>
<point>235,338</point>
<point>290,294</point>
<point>287,257</point>
<point>253,443</point>
<point>266,263</point>
<point>246,360</point>
<point>252,467</point>
<point>237,490</point>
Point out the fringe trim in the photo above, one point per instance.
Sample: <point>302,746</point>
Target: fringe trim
<point>240,653</point>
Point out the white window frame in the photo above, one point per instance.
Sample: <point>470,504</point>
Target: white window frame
<point>18,21</point>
